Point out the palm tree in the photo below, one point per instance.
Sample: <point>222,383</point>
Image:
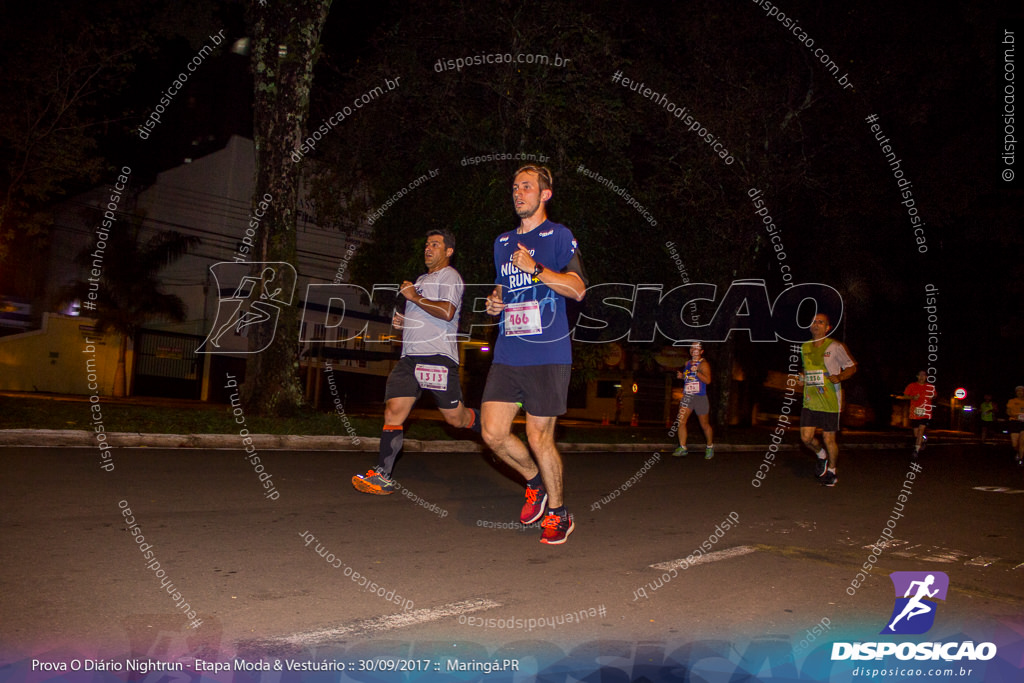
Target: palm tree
<point>129,294</point>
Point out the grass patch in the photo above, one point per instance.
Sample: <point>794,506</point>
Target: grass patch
<point>30,412</point>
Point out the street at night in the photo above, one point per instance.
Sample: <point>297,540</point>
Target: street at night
<point>462,578</point>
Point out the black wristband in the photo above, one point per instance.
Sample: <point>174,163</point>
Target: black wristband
<point>538,269</point>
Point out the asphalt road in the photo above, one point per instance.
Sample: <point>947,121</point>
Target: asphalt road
<point>457,571</point>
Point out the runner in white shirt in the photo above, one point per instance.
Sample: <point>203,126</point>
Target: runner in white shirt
<point>430,359</point>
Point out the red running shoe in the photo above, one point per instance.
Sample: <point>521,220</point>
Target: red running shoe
<point>535,505</point>
<point>556,529</point>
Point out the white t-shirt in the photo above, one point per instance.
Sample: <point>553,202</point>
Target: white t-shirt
<point>422,333</point>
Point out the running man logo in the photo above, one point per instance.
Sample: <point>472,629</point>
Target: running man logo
<point>914,613</point>
<point>249,294</point>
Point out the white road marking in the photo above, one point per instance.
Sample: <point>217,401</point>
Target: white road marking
<point>945,555</point>
<point>933,553</point>
<point>889,545</point>
<point>997,489</point>
<point>389,622</point>
<point>705,558</point>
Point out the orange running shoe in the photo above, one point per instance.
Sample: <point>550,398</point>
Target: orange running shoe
<point>375,483</point>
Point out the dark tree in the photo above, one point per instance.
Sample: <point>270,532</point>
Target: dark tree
<point>66,64</point>
<point>285,45</point>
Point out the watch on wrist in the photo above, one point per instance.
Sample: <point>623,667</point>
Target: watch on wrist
<point>537,270</point>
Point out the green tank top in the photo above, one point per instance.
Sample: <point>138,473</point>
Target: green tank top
<point>819,393</point>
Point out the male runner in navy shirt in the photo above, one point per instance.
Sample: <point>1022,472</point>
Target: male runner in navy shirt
<point>538,266</point>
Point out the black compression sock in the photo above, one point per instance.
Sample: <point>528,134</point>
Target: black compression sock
<point>391,438</point>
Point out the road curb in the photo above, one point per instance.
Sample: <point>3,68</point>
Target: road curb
<point>83,439</point>
<point>77,438</point>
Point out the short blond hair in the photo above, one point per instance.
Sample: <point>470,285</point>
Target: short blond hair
<point>543,174</point>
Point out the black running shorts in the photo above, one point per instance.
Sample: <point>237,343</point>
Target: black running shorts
<point>542,389</point>
<point>403,381</point>
<point>827,422</point>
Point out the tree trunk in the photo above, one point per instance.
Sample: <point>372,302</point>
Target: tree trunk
<point>285,42</point>
<point>726,358</point>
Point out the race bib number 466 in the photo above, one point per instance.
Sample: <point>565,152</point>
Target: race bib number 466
<point>522,318</point>
<point>433,377</point>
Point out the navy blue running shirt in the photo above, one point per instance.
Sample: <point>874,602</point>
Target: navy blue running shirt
<point>552,246</point>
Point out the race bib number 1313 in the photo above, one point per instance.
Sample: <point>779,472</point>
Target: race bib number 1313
<point>433,377</point>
